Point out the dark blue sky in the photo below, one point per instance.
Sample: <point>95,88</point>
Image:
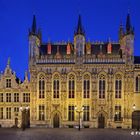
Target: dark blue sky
<point>58,19</point>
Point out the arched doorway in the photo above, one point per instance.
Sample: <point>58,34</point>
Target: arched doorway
<point>56,121</point>
<point>101,121</point>
<point>16,122</point>
<point>136,120</point>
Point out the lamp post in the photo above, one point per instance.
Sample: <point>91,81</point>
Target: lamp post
<point>24,121</point>
<point>79,111</point>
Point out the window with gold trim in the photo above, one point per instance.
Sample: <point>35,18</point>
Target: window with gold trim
<point>86,86</point>
<point>71,86</point>
<point>41,87</point>
<point>102,85</point>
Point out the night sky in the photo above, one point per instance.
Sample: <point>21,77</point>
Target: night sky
<point>57,20</point>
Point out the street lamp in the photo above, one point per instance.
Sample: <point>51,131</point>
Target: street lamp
<point>134,106</point>
<point>24,113</point>
<point>79,111</point>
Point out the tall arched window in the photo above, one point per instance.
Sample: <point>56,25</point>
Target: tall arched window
<point>56,86</point>
<point>71,86</point>
<point>118,86</point>
<point>102,85</point>
<point>138,83</point>
<point>86,86</point>
<point>41,87</point>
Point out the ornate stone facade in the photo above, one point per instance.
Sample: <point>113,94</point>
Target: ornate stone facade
<point>101,80</point>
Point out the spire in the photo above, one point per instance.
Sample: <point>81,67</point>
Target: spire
<point>79,29</point>
<point>121,31</point>
<point>26,76</point>
<point>34,25</point>
<point>40,34</point>
<point>8,62</point>
<point>129,28</point>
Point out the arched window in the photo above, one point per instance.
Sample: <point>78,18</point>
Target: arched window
<point>86,86</point>
<point>102,86</point>
<point>71,86</point>
<point>138,83</point>
<point>118,86</point>
<point>41,87</point>
<point>56,86</point>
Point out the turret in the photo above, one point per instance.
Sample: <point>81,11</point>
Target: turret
<point>34,40</point>
<point>79,39</point>
<point>121,31</point>
<point>129,41</point>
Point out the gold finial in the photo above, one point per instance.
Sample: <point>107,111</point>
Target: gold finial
<point>8,61</point>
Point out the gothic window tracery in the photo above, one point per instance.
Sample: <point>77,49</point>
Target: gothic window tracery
<point>137,83</point>
<point>118,86</point>
<point>41,86</point>
<point>71,86</point>
<point>102,85</point>
<point>86,86</point>
<point>56,86</point>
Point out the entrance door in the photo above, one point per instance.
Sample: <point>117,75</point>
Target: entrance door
<point>136,120</point>
<point>101,121</point>
<point>56,121</point>
<point>16,122</point>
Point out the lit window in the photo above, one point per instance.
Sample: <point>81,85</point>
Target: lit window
<point>8,113</point>
<point>138,83</point>
<point>102,86</point>
<point>16,97</point>
<point>26,97</point>
<point>41,87</point>
<point>1,112</point>
<point>56,86</point>
<point>16,109</point>
<point>118,87</point>
<point>8,97</point>
<point>8,83</point>
<point>86,87</point>
<point>86,113</point>
<point>118,113</point>
<point>41,112</point>
<point>71,86</point>
<point>1,97</point>
<point>71,113</point>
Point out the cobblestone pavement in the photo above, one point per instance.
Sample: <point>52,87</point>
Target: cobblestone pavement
<point>68,134</point>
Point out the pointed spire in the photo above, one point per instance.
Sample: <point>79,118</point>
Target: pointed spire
<point>40,34</point>
<point>79,29</point>
<point>128,23</point>
<point>8,62</point>
<point>34,25</point>
<point>26,76</point>
<point>129,29</point>
<point>121,31</point>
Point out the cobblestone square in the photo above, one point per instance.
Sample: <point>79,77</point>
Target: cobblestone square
<point>68,134</point>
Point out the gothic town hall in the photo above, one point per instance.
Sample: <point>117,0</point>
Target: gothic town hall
<point>91,84</point>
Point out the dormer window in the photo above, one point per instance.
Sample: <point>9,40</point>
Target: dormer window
<point>8,83</point>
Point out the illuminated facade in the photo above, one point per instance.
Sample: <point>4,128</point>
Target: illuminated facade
<point>103,78</point>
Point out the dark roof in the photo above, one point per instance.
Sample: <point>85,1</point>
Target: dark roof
<point>100,48</point>
<point>62,49</point>
<point>137,59</point>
